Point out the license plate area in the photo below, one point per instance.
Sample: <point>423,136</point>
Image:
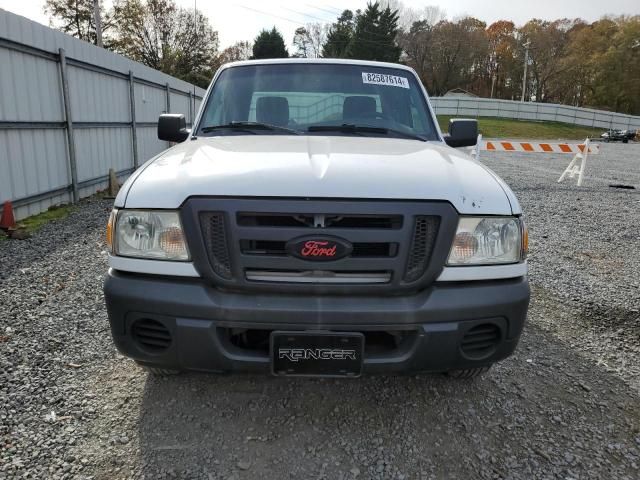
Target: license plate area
<point>323,354</point>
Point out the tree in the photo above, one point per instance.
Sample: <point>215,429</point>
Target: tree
<point>374,36</point>
<point>235,53</point>
<point>75,17</point>
<point>269,44</point>
<point>309,40</point>
<point>339,36</point>
<point>504,71</point>
<point>418,49</point>
<point>166,37</point>
<point>602,65</point>
<point>616,84</point>
<point>456,56</point>
<point>548,42</point>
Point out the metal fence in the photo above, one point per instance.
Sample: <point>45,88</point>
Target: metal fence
<point>70,111</point>
<point>489,107</point>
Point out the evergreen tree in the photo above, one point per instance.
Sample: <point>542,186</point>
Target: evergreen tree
<point>374,36</point>
<point>339,36</point>
<point>269,44</point>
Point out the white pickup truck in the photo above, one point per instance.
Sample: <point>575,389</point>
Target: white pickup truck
<point>315,221</point>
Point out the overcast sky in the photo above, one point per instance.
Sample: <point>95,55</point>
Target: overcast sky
<point>243,19</point>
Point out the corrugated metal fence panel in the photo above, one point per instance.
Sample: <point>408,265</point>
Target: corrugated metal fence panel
<point>106,147</point>
<point>29,88</point>
<point>96,97</point>
<point>150,102</point>
<point>148,143</point>
<point>180,104</point>
<point>32,161</point>
<point>488,107</point>
<point>34,157</point>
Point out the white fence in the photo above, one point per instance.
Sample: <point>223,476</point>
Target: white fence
<point>69,111</point>
<point>488,107</point>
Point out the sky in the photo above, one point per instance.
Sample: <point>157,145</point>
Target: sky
<point>243,19</point>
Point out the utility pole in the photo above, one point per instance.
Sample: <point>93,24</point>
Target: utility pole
<point>98,20</point>
<point>526,64</point>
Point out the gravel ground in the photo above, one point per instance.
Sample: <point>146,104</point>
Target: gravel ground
<point>566,405</point>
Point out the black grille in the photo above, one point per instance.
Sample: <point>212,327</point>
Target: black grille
<point>215,237</point>
<point>480,341</point>
<point>424,235</point>
<point>151,334</point>
<point>397,245</point>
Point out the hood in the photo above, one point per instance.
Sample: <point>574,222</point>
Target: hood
<point>317,167</point>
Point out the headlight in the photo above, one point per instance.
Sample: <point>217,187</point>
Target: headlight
<point>488,240</point>
<point>154,234</point>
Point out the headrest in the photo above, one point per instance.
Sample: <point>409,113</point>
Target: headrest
<point>358,106</point>
<point>273,110</point>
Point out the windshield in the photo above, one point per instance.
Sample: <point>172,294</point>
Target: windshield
<point>313,98</point>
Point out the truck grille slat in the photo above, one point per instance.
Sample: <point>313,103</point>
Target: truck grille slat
<point>310,221</point>
<point>315,276</point>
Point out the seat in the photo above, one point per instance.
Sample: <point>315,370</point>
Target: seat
<point>273,110</point>
<point>358,106</point>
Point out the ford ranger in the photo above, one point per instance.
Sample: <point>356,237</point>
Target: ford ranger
<point>315,221</point>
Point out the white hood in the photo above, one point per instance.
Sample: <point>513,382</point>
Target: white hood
<point>317,167</point>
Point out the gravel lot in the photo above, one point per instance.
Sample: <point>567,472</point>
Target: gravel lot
<point>567,405</point>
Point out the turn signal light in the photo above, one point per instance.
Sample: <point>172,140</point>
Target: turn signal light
<point>110,225</point>
<point>525,239</point>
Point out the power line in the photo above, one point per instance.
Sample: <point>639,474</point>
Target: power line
<point>337,12</point>
<point>270,14</point>
<point>306,15</point>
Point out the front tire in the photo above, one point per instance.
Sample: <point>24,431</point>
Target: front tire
<point>468,372</point>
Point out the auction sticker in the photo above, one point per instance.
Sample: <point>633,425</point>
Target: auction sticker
<point>384,79</point>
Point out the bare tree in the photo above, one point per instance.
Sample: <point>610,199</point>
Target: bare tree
<point>235,53</point>
<point>166,37</point>
<point>76,18</point>
<point>309,40</point>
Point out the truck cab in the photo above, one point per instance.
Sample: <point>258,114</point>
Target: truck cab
<point>315,221</point>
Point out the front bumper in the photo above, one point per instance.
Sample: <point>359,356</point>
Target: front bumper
<point>198,318</point>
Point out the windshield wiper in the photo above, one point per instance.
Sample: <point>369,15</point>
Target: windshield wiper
<point>351,128</point>
<point>249,127</point>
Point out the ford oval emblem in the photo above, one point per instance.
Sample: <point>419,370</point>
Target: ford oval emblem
<point>319,248</point>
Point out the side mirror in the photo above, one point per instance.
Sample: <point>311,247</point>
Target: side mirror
<point>172,127</point>
<point>463,132</point>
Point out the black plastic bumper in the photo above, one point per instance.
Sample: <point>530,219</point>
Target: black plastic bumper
<point>197,317</point>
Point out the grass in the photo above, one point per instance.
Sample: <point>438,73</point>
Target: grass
<point>492,127</point>
<point>33,223</point>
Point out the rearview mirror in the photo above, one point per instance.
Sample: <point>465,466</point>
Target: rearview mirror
<point>463,132</point>
<point>172,127</point>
